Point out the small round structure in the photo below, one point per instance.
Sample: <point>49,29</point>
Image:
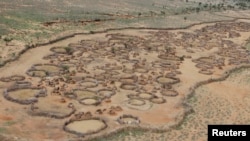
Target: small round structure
<point>129,71</point>
<point>145,95</point>
<point>128,119</point>
<point>22,84</point>
<point>134,61</point>
<point>88,84</point>
<point>128,78</point>
<point>67,64</point>
<point>132,96</point>
<point>50,57</point>
<point>86,60</point>
<point>89,101</point>
<point>204,66</point>
<point>112,72</point>
<point>112,68</point>
<point>167,80</point>
<point>170,74</point>
<point>177,72</point>
<point>36,73</point>
<point>203,60</point>
<point>136,102</point>
<point>59,50</point>
<point>205,71</point>
<point>17,78</point>
<point>128,86</point>
<point>12,78</point>
<point>167,86</point>
<point>105,93</point>
<point>171,93</point>
<point>166,57</point>
<point>157,100</point>
<point>70,95</point>
<point>81,94</point>
<point>141,70</point>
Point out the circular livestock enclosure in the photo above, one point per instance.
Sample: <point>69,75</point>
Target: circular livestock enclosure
<point>128,71</point>
<point>161,64</point>
<point>90,101</point>
<point>128,86</point>
<point>167,57</point>
<point>50,69</point>
<point>128,119</point>
<point>82,93</point>
<point>60,50</point>
<point>85,126</point>
<point>132,96</point>
<point>127,80</point>
<point>129,76</point>
<point>176,72</point>
<point>204,66</point>
<point>36,73</point>
<point>105,93</point>
<point>69,64</point>
<point>141,70</point>
<point>205,71</point>
<point>88,84</point>
<point>167,86</point>
<point>22,84</point>
<point>89,78</point>
<point>157,100</point>
<point>167,80</point>
<point>75,45</point>
<point>134,61</point>
<point>50,57</point>
<point>142,82</point>
<point>100,77</point>
<point>112,73</point>
<point>171,93</point>
<point>70,95</point>
<point>24,95</point>
<point>145,95</point>
<point>12,78</point>
<point>52,114</point>
<point>170,74</point>
<point>86,59</point>
<point>112,68</point>
<point>207,60</point>
<point>136,102</point>
<point>52,108</point>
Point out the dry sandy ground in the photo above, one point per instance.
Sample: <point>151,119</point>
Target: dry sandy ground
<point>222,98</point>
<point>10,51</point>
<point>225,102</point>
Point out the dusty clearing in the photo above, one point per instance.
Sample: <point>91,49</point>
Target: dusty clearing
<point>225,102</point>
<point>124,79</point>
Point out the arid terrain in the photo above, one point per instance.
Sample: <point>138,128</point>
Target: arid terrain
<point>133,81</point>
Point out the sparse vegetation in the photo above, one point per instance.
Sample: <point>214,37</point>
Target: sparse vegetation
<point>65,68</point>
<point>69,50</point>
<point>147,67</point>
<point>7,40</point>
<point>248,46</point>
<point>2,130</point>
<point>113,50</point>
